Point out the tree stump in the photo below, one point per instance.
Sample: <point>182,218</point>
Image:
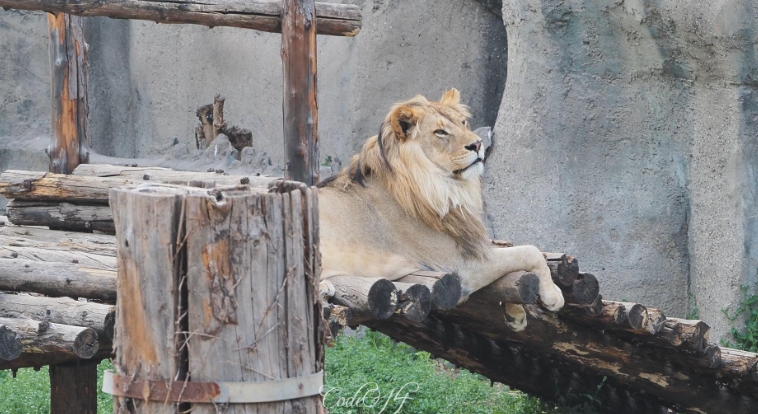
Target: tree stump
<point>217,291</point>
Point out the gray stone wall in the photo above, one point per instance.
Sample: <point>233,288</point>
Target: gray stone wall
<point>627,136</point>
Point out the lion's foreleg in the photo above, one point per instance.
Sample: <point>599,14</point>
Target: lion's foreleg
<point>504,260</point>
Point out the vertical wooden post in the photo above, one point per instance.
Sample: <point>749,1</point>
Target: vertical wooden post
<point>68,85</point>
<point>299,102</point>
<point>68,393</point>
<point>149,232</point>
<point>245,313</point>
<point>72,387</point>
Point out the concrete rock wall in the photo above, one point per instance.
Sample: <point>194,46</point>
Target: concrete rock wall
<point>627,136</point>
<point>149,79</point>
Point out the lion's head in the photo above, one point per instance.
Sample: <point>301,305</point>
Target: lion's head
<point>430,161</point>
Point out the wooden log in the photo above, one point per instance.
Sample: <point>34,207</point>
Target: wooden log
<point>218,117</point>
<point>445,287</point>
<point>583,291</point>
<point>169,176</point>
<point>57,279</point>
<point>152,288</point>
<point>636,315</point>
<point>338,317</point>
<point>564,269</point>
<point>39,360</point>
<point>63,216</point>
<point>98,245</point>
<point>366,298</point>
<point>68,57</point>
<point>694,334</point>
<point>299,102</point>
<point>64,311</point>
<point>333,19</point>
<point>39,186</point>
<point>73,388</point>
<point>247,257</point>
<point>517,287</point>
<point>655,321</point>
<point>610,315</point>
<point>45,337</point>
<point>10,344</point>
<point>414,301</point>
<point>12,247</point>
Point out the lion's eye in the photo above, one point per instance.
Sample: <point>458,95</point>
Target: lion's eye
<point>465,123</point>
<point>441,133</point>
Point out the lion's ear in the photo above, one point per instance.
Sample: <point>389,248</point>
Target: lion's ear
<point>403,119</point>
<point>451,97</point>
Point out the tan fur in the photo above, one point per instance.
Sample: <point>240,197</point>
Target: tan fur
<point>411,200</point>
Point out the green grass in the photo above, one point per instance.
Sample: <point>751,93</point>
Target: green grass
<point>362,376</point>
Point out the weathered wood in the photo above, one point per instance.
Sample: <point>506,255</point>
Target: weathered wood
<point>367,298</point>
<point>564,269</point>
<point>73,388</point>
<point>611,314</point>
<point>247,260</point>
<point>65,311</point>
<point>583,290</point>
<point>299,101</point>
<point>517,287</point>
<point>445,287</point>
<point>64,216</point>
<point>68,57</point>
<point>636,315</point>
<point>414,301</point>
<point>38,360</point>
<point>333,19</point>
<point>10,344</point>
<point>53,338</point>
<point>57,279</point>
<point>149,231</point>
<point>218,116</point>
<point>98,245</point>
<point>32,185</point>
<point>11,249</point>
<point>169,176</point>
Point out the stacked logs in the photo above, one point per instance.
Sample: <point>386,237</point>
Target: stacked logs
<point>75,318</point>
<point>79,202</point>
<point>629,357</point>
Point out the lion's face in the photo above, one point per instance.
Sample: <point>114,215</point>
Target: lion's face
<point>441,131</point>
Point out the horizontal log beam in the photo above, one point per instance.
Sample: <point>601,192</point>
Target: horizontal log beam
<point>49,338</point>
<point>331,19</point>
<point>63,311</point>
<point>57,279</point>
<point>53,240</point>
<point>169,176</point>
<point>63,216</point>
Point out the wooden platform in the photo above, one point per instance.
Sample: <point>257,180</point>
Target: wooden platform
<point>633,358</point>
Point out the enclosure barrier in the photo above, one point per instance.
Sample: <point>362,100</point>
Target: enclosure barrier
<point>641,360</point>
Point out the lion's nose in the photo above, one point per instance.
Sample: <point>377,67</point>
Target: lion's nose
<point>475,146</point>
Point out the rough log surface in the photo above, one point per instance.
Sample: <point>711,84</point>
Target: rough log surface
<point>333,19</point>
<point>52,338</point>
<point>64,311</point>
<point>68,56</point>
<point>169,176</point>
<point>251,293</point>
<point>57,279</point>
<point>445,287</point>
<point>63,216</point>
<point>73,388</point>
<point>299,103</point>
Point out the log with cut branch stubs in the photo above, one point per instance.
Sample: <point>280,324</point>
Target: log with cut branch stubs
<point>331,19</point>
<point>212,124</point>
<point>50,338</point>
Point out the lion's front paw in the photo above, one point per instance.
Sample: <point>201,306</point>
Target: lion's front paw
<point>552,297</point>
<point>326,289</point>
<point>515,317</point>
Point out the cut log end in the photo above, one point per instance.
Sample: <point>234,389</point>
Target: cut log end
<point>415,301</point>
<point>382,299</point>
<point>636,315</point>
<point>583,291</point>
<point>10,344</point>
<point>447,292</point>
<point>563,269</point>
<point>85,344</point>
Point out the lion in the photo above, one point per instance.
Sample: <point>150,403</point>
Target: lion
<point>411,200</point>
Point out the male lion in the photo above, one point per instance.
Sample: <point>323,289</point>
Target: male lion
<point>411,200</point>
